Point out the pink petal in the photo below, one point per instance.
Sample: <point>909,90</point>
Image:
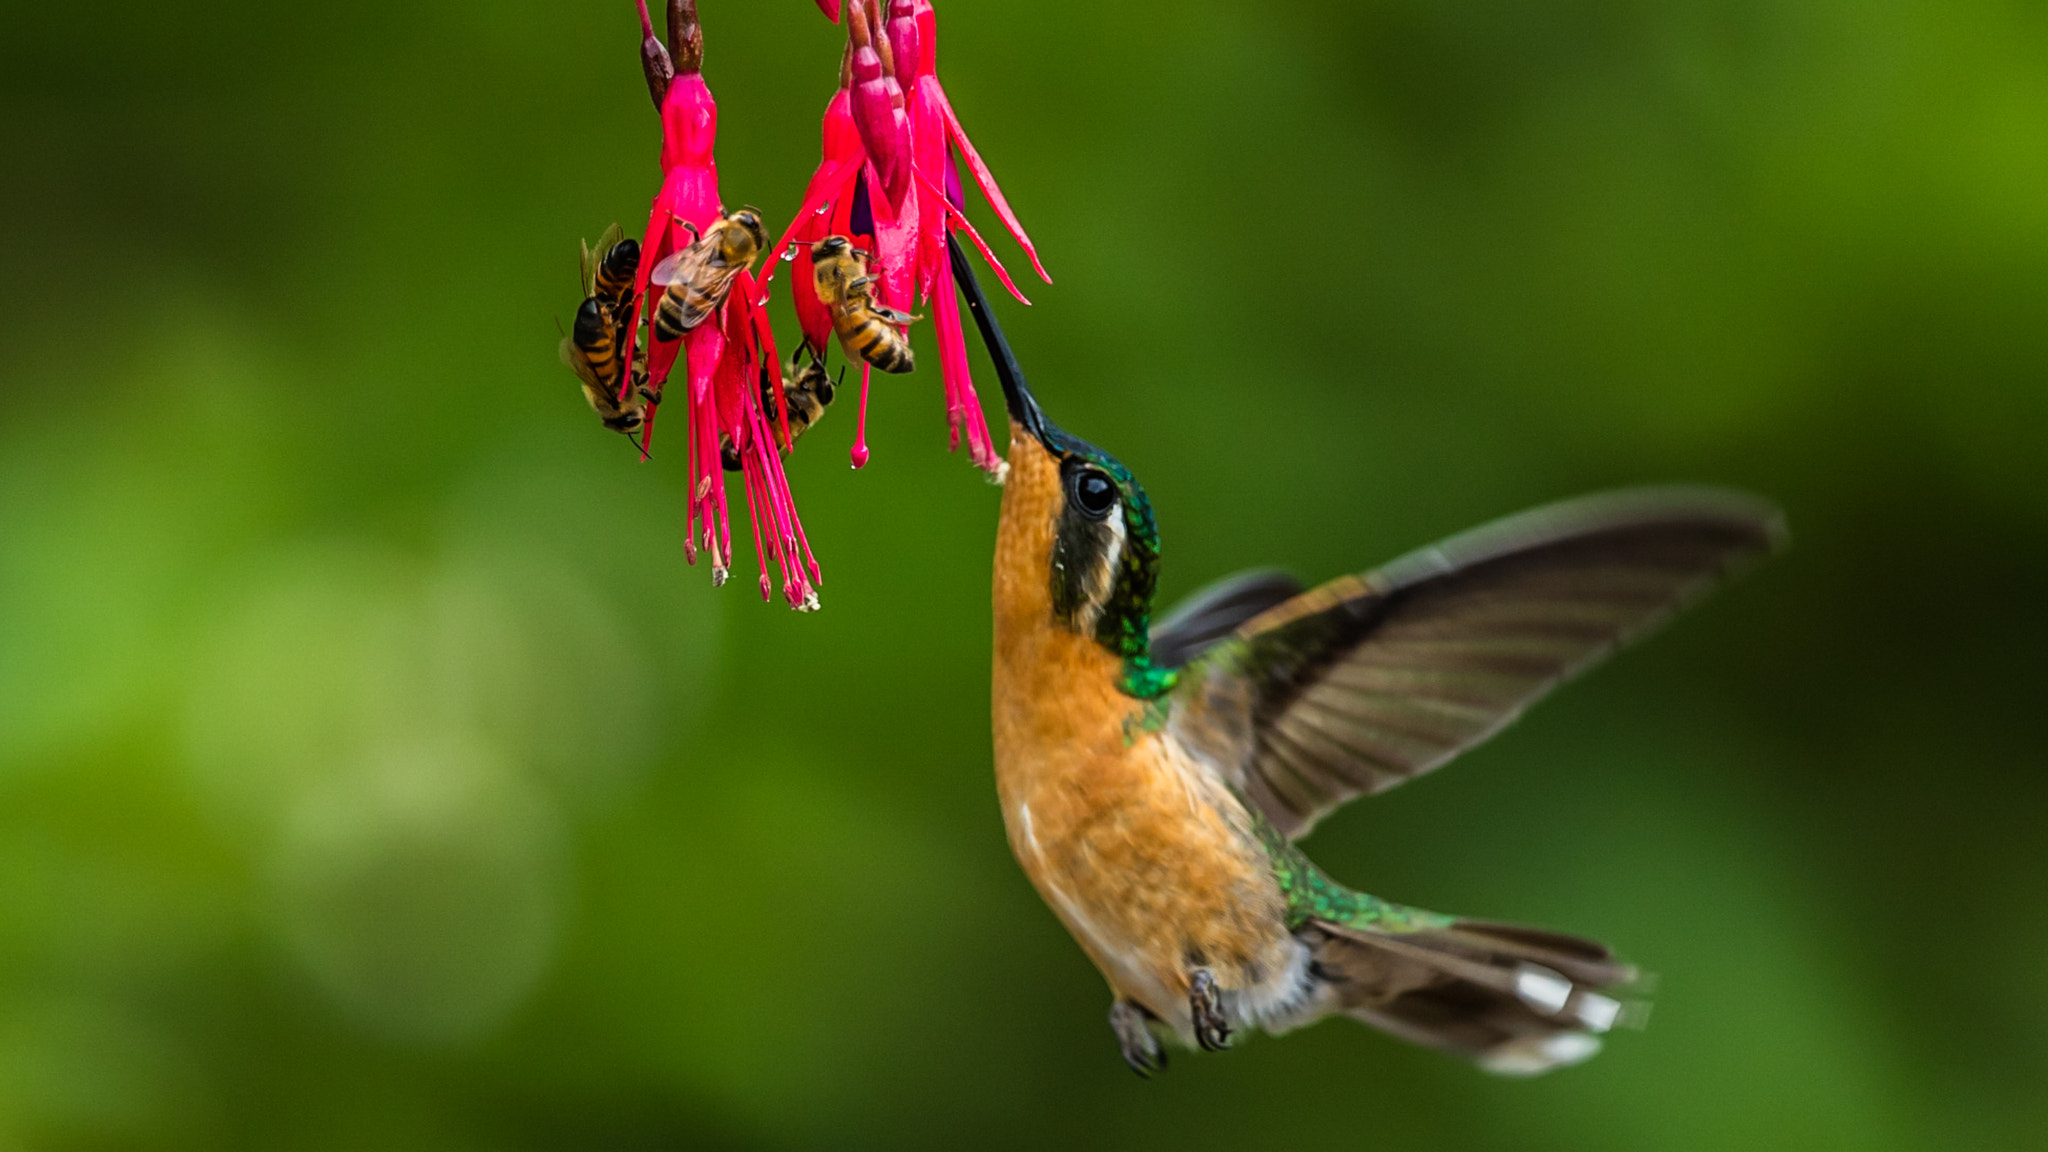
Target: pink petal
<point>689,126</point>
<point>830,8</point>
<point>927,37</point>
<point>959,220</point>
<point>906,42</point>
<point>963,407</point>
<point>770,357</point>
<point>878,111</point>
<point>828,185</point>
<point>928,151</point>
<point>895,258</point>
<point>812,316</point>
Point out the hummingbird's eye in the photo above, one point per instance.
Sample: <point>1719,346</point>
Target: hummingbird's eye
<point>1094,494</point>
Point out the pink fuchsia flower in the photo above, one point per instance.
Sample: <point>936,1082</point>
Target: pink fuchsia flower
<point>724,356</point>
<point>887,181</point>
<point>936,130</point>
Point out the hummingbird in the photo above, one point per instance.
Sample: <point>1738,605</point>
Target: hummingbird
<point>1155,777</point>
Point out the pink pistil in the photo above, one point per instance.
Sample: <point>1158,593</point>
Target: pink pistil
<point>860,425</point>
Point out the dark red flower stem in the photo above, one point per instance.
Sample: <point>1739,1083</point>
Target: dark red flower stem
<point>685,52</point>
<point>685,36</point>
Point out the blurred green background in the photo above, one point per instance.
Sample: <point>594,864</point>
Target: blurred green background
<point>374,773</point>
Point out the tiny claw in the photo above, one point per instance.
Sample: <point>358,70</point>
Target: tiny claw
<point>1134,1040</point>
<point>1205,1003</point>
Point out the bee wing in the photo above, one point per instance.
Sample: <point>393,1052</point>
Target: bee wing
<point>593,257</point>
<point>719,281</point>
<point>573,357</point>
<point>678,267</point>
<point>893,316</point>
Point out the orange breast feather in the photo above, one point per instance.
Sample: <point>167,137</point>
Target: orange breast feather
<point>1144,856</point>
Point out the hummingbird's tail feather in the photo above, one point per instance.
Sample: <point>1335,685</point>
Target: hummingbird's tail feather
<point>1515,1000</point>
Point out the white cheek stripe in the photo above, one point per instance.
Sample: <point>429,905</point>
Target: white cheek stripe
<point>1111,562</point>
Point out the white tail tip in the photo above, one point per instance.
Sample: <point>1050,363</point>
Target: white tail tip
<point>1534,1055</point>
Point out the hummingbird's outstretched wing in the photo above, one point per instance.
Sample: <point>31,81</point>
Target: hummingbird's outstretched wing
<point>1366,681</point>
<point>1216,611</point>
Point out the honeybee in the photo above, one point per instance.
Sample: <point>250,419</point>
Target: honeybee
<point>697,278</point>
<point>608,268</point>
<point>866,329</point>
<point>808,391</point>
<point>592,348</point>
<point>592,351</point>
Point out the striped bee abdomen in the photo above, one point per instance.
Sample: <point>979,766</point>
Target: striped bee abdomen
<point>615,271</point>
<point>875,341</point>
<point>596,335</point>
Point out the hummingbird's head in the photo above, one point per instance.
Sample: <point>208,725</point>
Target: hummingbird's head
<point>1083,512</point>
<point>1104,559</point>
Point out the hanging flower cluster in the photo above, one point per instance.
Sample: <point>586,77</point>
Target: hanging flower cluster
<point>730,346</point>
<point>887,182</point>
<point>869,243</point>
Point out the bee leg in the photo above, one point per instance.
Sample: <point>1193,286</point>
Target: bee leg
<point>1205,1001</point>
<point>1141,1050</point>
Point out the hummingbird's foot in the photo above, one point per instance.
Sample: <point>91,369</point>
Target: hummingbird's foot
<point>1141,1049</point>
<point>1205,1001</point>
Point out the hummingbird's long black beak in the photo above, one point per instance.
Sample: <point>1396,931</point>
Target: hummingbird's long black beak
<point>1016,394</point>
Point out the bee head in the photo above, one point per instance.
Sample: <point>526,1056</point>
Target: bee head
<point>745,239</point>
<point>749,219</point>
<point>831,248</point>
<point>818,382</point>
